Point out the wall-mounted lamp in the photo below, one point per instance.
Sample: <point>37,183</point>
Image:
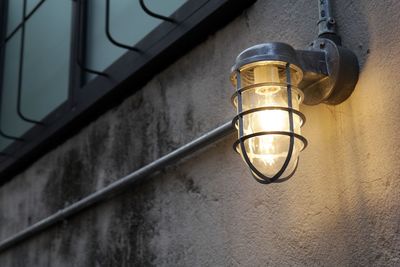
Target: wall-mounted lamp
<point>271,82</point>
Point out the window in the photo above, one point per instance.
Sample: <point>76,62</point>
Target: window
<point>35,66</point>
<point>100,52</point>
<point>57,58</point>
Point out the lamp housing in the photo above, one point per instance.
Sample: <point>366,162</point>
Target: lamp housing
<point>271,81</point>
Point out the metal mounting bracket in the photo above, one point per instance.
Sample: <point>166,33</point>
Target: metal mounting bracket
<point>330,72</point>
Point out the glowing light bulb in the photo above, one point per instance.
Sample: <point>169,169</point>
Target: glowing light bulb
<point>269,152</point>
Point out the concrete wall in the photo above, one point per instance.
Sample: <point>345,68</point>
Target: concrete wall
<point>341,208</point>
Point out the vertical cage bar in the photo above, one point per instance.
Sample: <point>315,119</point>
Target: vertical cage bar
<point>291,126</point>
<point>241,133</point>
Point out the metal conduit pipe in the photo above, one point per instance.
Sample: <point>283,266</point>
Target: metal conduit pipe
<point>327,23</point>
<point>119,185</point>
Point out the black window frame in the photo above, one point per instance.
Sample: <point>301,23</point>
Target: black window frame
<point>195,20</point>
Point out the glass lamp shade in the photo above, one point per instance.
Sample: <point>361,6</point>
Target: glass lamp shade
<point>268,119</point>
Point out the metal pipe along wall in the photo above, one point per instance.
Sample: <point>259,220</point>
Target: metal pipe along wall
<point>119,185</point>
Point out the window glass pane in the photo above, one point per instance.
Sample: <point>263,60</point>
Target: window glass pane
<point>46,59</point>
<point>14,14</point>
<point>30,4</point>
<point>10,122</point>
<point>128,25</point>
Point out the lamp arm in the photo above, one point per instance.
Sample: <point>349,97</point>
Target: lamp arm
<point>330,72</point>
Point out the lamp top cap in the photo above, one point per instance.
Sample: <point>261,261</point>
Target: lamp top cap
<point>273,51</point>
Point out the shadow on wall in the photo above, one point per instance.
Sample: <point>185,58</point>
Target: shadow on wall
<point>356,222</point>
<point>354,30</point>
<point>339,210</point>
<point>332,206</point>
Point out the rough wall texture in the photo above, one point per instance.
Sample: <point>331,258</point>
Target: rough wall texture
<point>341,208</point>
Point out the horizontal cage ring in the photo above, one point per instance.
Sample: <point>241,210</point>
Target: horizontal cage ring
<point>251,86</point>
<point>245,137</point>
<point>246,112</point>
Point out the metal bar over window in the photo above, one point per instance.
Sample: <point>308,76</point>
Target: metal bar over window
<point>21,115</point>
<point>2,53</point>
<point>153,14</point>
<point>193,21</point>
<point>108,32</point>
<point>24,18</point>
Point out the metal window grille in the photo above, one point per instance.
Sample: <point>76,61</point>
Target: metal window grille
<point>188,25</point>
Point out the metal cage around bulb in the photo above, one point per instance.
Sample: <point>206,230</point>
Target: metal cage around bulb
<point>268,119</point>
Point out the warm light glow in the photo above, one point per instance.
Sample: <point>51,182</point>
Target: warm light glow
<point>268,152</point>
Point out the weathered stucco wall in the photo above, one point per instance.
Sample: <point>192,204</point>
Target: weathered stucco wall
<point>341,208</point>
